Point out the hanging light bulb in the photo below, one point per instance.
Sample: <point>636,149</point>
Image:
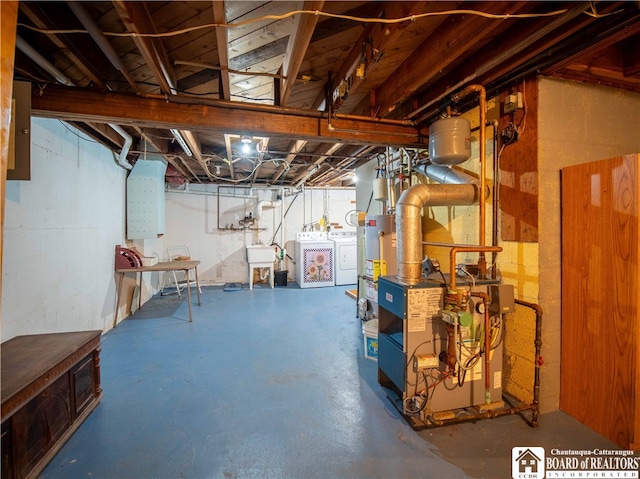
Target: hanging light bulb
<point>246,145</point>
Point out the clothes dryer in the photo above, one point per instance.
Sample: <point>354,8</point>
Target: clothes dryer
<point>346,257</point>
<point>314,256</point>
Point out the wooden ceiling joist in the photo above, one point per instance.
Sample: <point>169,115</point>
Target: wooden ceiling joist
<point>121,108</point>
<point>324,152</point>
<point>378,36</point>
<point>299,39</point>
<point>222,39</point>
<point>295,148</point>
<point>160,143</point>
<point>33,13</point>
<point>438,52</point>
<point>137,19</point>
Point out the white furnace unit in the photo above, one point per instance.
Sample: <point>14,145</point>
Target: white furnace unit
<point>346,257</point>
<point>314,256</point>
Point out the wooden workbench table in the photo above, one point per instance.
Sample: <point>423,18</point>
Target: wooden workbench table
<point>185,266</point>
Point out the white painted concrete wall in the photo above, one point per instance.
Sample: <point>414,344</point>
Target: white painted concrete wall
<point>60,231</point>
<point>208,223</point>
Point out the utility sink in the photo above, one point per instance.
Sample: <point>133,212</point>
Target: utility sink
<point>259,253</point>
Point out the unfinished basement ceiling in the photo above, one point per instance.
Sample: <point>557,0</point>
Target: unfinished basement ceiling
<point>310,89</point>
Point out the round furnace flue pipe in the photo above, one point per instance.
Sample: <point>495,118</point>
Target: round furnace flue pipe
<point>409,221</point>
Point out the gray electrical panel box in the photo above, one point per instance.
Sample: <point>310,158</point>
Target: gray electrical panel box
<point>502,300</point>
<point>19,154</point>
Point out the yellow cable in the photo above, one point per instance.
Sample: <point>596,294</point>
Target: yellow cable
<point>410,18</point>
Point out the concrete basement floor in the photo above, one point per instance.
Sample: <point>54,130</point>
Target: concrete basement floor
<point>272,383</point>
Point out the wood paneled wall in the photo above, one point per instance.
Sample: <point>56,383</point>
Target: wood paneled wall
<point>519,168</point>
<point>8,22</point>
<point>600,357</point>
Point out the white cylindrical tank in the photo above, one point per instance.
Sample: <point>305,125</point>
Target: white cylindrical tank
<point>380,189</point>
<point>450,141</point>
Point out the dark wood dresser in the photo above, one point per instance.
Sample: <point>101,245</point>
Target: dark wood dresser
<point>50,384</point>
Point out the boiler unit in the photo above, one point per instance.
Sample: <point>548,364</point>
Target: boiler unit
<point>346,257</point>
<point>314,256</point>
<point>435,354</point>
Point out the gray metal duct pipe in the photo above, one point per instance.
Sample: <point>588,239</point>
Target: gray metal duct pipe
<point>42,61</point>
<point>65,80</point>
<point>101,40</point>
<point>96,34</point>
<point>409,221</point>
<point>446,175</point>
<point>122,158</point>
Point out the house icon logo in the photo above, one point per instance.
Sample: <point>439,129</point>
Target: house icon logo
<point>527,463</point>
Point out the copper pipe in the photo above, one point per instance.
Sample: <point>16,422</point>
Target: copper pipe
<point>538,359</point>
<point>466,249</point>
<point>495,199</point>
<point>534,406</point>
<point>449,245</point>
<point>487,345</point>
<point>187,100</point>
<point>482,264</point>
<point>451,349</point>
<point>490,414</point>
<point>384,121</point>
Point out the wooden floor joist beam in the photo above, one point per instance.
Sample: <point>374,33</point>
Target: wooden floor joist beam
<point>127,109</point>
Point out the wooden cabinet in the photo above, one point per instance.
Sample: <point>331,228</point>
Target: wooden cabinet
<point>50,384</point>
<point>600,357</point>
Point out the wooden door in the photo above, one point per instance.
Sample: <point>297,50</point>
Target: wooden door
<point>600,373</point>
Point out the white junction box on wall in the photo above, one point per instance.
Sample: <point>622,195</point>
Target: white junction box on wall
<point>513,102</point>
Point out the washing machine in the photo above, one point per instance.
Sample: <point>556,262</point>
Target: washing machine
<point>346,255</point>
<point>314,256</point>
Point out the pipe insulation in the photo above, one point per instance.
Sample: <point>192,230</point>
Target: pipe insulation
<point>409,221</point>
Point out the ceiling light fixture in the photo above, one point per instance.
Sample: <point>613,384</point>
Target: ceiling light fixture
<point>176,134</point>
<point>246,144</point>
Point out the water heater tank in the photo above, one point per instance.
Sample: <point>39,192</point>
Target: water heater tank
<point>450,141</point>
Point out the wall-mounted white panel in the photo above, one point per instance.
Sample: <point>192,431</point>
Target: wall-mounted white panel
<point>145,199</point>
